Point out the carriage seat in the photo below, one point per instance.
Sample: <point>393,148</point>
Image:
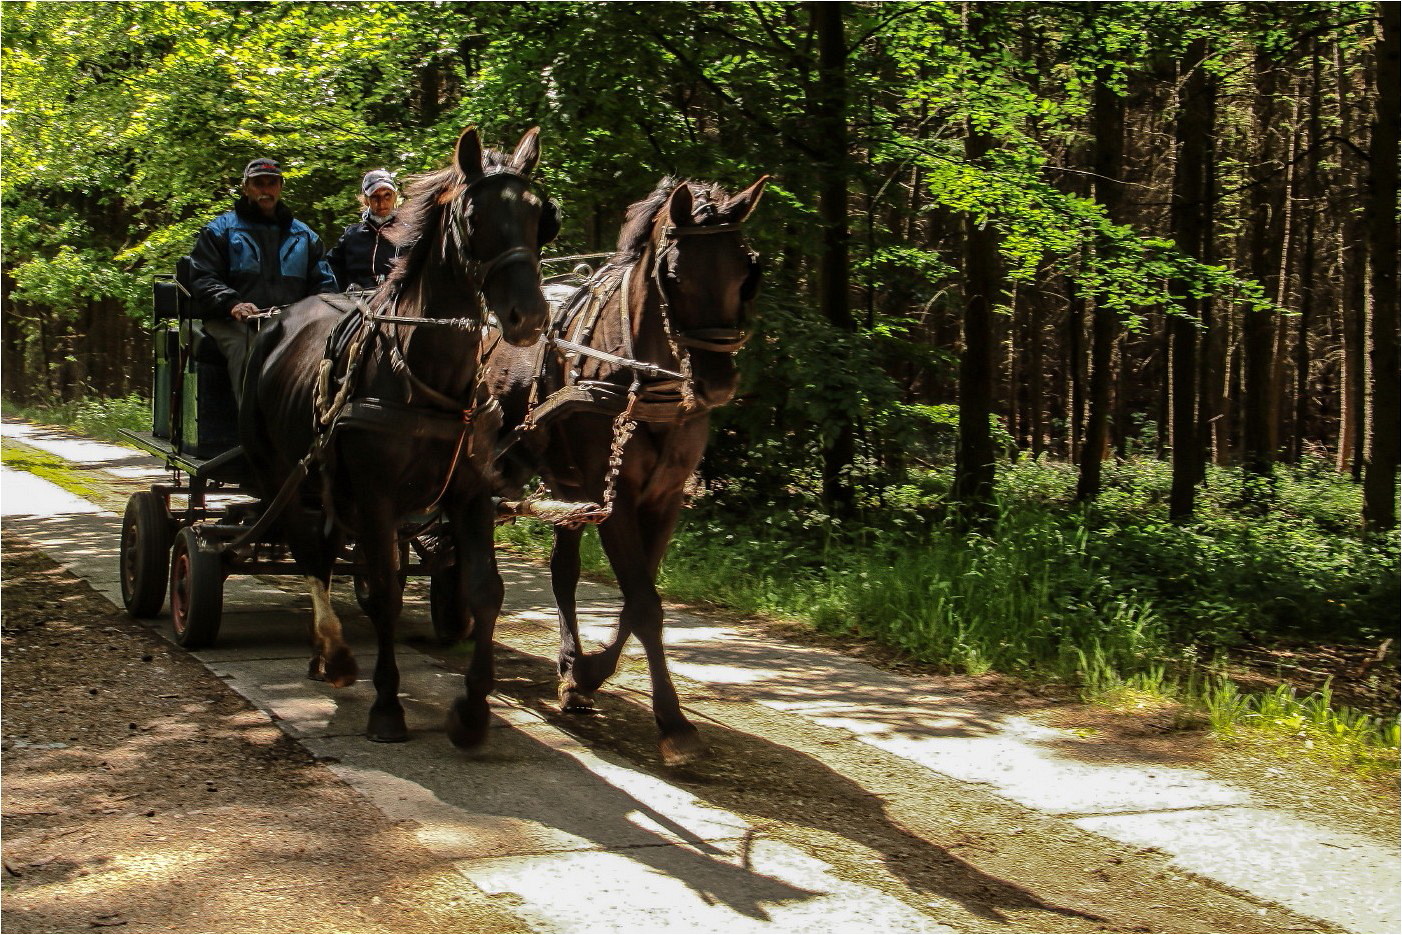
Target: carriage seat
<point>203,348</point>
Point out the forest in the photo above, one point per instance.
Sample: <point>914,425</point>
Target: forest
<point>1078,339</point>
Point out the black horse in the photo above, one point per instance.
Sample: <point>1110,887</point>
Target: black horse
<point>367,419</point>
<point>618,413</point>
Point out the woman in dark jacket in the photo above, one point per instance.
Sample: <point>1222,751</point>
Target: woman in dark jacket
<point>364,254</point>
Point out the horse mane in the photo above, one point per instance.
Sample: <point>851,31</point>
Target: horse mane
<point>638,222</point>
<point>430,205</point>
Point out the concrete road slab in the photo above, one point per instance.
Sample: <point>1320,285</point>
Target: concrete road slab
<point>1314,870</point>
<point>24,494</point>
<point>751,885</point>
<point>83,452</point>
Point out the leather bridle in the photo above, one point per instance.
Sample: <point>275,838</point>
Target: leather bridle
<point>720,340</point>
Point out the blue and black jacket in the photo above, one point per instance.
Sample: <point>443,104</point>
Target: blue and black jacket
<point>242,257</point>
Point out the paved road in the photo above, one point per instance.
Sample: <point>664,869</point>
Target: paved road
<point>544,814</point>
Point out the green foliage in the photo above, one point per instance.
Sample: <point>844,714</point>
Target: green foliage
<point>96,418</point>
<point>1303,571</point>
<point>1100,594</point>
<point>1343,736</point>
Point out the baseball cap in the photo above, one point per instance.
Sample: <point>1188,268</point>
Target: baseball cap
<point>263,166</point>
<point>376,179</point>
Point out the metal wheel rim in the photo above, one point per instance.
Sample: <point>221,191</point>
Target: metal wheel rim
<point>131,537</point>
<point>179,591</point>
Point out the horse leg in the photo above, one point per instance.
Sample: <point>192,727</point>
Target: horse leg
<point>564,581</point>
<point>383,602</point>
<point>480,590</point>
<point>331,658</point>
<point>332,661</point>
<point>634,555</point>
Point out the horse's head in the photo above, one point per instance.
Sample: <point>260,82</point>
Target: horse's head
<point>500,226</point>
<point>707,277</point>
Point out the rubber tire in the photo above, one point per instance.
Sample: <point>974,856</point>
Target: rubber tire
<point>145,554</point>
<point>196,591</point>
<point>362,593</point>
<point>362,584</point>
<point>442,598</point>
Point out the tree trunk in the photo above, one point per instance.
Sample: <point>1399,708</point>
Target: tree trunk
<point>1380,473</point>
<point>830,125</point>
<point>1281,414</point>
<point>1309,288</point>
<point>1191,215</point>
<point>1267,231</point>
<point>1036,382</point>
<point>974,468</point>
<point>1108,160</point>
<point>1076,369</point>
<point>1353,266</point>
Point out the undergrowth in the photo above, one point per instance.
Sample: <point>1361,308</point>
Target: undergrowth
<point>1109,597</point>
<point>95,418</point>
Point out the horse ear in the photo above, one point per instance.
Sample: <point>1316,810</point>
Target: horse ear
<point>679,206</point>
<point>468,154</point>
<point>739,207</point>
<point>527,152</point>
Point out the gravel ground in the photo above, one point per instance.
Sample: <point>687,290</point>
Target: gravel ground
<point>142,795</point>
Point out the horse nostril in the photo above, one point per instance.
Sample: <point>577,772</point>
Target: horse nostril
<point>514,318</point>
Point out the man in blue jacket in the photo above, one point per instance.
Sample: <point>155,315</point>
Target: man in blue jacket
<point>253,258</point>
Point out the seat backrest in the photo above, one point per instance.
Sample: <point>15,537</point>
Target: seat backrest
<point>185,276</point>
<point>202,347</point>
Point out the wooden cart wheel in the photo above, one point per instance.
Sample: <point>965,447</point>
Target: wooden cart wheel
<point>145,553</point>
<point>362,593</point>
<point>442,607</point>
<point>196,591</point>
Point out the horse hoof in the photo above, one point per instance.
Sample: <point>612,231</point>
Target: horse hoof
<point>467,723</point>
<point>573,698</point>
<point>315,671</point>
<point>681,749</point>
<point>340,669</point>
<point>387,727</point>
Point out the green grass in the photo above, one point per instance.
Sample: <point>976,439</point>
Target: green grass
<point>1111,598</point>
<point>1340,735</point>
<point>95,418</point>
<point>1312,726</point>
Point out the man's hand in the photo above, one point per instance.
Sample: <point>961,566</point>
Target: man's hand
<point>243,311</point>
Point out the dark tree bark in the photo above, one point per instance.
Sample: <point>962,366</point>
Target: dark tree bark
<point>1108,163</point>
<point>974,467</point>
<point>1309,286</point>
<point>1267,232</point>
<point>1353,265</point>
<point>834,271</point>
<point>1192,230</point>
<point>1281,412</point>
<point>1380,473</point>
<point>1036,382</point>
<point>1076,369</point>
